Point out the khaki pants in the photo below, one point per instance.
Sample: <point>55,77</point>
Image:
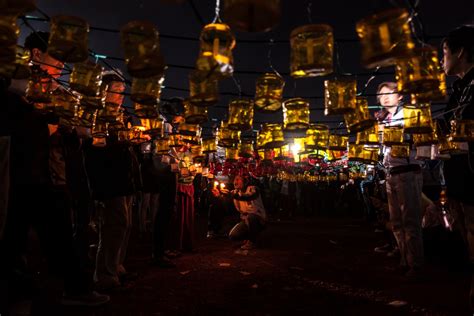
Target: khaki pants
<point>404,203</point>
<point>115,223</point>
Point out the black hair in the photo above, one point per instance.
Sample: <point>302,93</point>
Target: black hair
<point>461,37</point>
<point>37,40</point>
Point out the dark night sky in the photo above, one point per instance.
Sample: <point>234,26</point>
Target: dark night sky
<point>438,18</point>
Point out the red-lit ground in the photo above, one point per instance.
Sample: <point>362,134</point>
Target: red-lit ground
<point>304,267</point>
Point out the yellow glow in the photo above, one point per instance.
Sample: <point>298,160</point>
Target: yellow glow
<point>216,183</point>
<point>222,185</point>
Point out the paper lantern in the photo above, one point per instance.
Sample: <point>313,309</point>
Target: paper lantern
<point>272,136</point>
<point>140,42</point>
<point>68,40</point>
<point>39,87</point>
<point>420,74</point>
<point>250,15</point>
<point>100,130</point>
<point>340,96</point>
<point>359,119</point>
<point>269,93</point>
<point>417,119</point>
<point>240,115</point>
<point>231,154</point>
<point>400,151</point>
<point>145,111</point>
<point>86,78</point>
<point>194,114</point>
<point>295,114</point>
<point>317,136</point>
<point>217,43</point>
<point>392,135</point>
<point>146,90</point>
<point>209,145</point>
<point>245,148</point>
<point>227,137</point>
<point>65,103</point>
<point>462,131</point>
<point>311,50</point>
<point>153,126</point>
<point>16,7</point>
<point>338,142</point>
<point>369,138</point>
<point>202,91</point>
<point>14,62</point>
<point>161,146</point>
<point>385,37</point>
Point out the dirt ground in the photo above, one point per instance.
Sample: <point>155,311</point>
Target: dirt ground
<point>302,267</point>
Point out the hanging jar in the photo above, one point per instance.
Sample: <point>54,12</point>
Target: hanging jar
<point>392,135</point>
<point>240,115</point>
<point>462,131</point>
<point>175,140</point>
<point>39,86</point>
<point>417,119</point>
<point>16,7</point>
<point>338,142</point>
<point>153,126</point>
<point>311,51</point>
<point>194,114</point>
<point>251,16</point>
<point>385,37</point>
<point>15,62</point>
<point>359,119</point>
<point>295,114</point>
<point>161,146</point>
<point>203,91</point>
<point>369,138</point>
<point>227,137</point>
<point>209,145</point>
<point>269,93</point>
<point>426,138</point>
<point>400,151</point>
<point>146,90</point>
<point>420,74</point>
<point>145,111</point>
<point>95,102</point>
<point>141,45</point>
<point>136,134</point>
<point>189,129</point>
<point>196,153</point>
<point>86,116</point>
<point>217,43</point>
<point>317,136</point>
<point>9,30</point>
<point>68,40</point>
<point>272,135</point>
<point>245,148</point>
<point>334,155</point>
<point>438,93</point>
<point>340,96</point>
<point>65,103</point>
<point>86,78</point>
<point>191,140</point>
<point>231,154</point>
<point>355,152</point>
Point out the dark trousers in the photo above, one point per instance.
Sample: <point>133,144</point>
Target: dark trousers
<point>215,215</point>
<point>161,223</point>
<point>247,229</point>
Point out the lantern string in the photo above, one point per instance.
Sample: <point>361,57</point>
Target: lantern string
<point>196,13</point>
<point>237,84</point>
<point>269,57</point>
<point>308,9</point>
<point>415,16</point>
<point>374,74</point>
<point>339,69</point>
<point>217,17</point>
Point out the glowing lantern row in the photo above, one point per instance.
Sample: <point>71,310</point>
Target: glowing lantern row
<point>271,136</point>
<point>269,92</point>
<point>317,137</point>
<point>189,129</point>
<point>311,50</point>
<point>400,151</point>
<point>340,96</point>
<point>251,16</point>
<point>359,119</point>
<point>231,153</point>
<point>118,124</point>
<point>295,114</point>
<point>146,90</point>
<point>65,104</point>
<point>196,153</point>
<point>68,40</point>
<point>136,135</point>
<point>227,137</point>
<point>452,147</point>
<point>140,42</point>
<point>240,115</point>
<point>385,37</point>
<point>425,139</point>
<point>194,114</point>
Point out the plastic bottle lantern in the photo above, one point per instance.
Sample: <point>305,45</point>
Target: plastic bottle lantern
<point>14,62</point>
<point>425,139</point>
<point>175,140</point>
<point>272,136</point>
<point>217,43</point>
<point>340,96</point>
<point>269,92</point>
<point>39,86</point>
<point>317,137</point>
<point>68,40</point>
<point>196,153</point>
<point>462,131</point>
<point>99,141</point>
<point>311,50</point>
<point>189,129</point>
<point>438,93</point>
<point>359,119</point>
<point>338,142</point>
<point>227,137</point>
<point>385,37</point>
<point>209,145</point>
<point>153,126</point>
<point>295,114</point>
<point>358,152</point>
<point>334,155</point>
<point>392,135</point>
<point>369,138</point>
<point>140,42</point>
<point>86,78</point>
<point>86,116</point>
<point>250,15</point>
<point>203,91</point>
<point>240,115</point>
<point>136,135</point>
<point>16,7</point>
<point>161,146</point>
<point>452,148</point>
<point>146,90</point>
<point>194,114</point>
<point>145,111</point>
<point>65,104</point>
<point>400,151</point>
<point>417,119</point>
<point>100,130</point>
<point>231,153</point>
<point>420,74</point>
<point>245,148</point>
<point>118,124</point>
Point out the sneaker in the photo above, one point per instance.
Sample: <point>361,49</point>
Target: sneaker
<point>89,299</point>
<point>163,262</point>
<point>383,249</point>
<point>248,245</point>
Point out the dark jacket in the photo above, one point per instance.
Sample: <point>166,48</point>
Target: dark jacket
<point>459,170</point>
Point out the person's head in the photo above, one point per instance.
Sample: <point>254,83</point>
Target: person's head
<point>387,95</point>
<point>239,183</point>
<point>458,51</point>
<point>115,87</point>
<point>37,44</point>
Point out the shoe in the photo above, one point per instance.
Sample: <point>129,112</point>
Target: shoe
<point>210,235</point>
<point>394,253</point>
<point>163,262</point>
<point>89,299</point>
<point>248,245</point>
<point>383,249</point>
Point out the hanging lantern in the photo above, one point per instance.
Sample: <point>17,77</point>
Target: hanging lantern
<point>240,115</point>
<point>108,114</point>
<point>462,131</point>
<point>189,129</point>
<point>123,136</point>
<point>140,42</point>
<point>9,30</point>
<point>15,62</point>
<point>295,114</point>
<point>16,7</point>
<point>191,140</point>
<point>338,142</point>
<point>162,146</point>
<point>65,103</point>
<point>39,86</point>
<point>100,130</point>
<point>317,154</point>
<point>231,154</point>
<point>245,148</point>
<point>359,119</point>
<point>194,114</point>
<point>438,93</point>
<point>311,51</point>
<point>340,96</point>
<point>153,126</point>
<point>423,153</point>
<point>86,116</point>
<point>96,103</point>
<point>269,93</point>
<point>227,137</point>
<point>369,138</point>
<point>145,111</point>
<point>203,91</point>
<point>392,135</point>
<point>86,78</point>
<point>197,154</point>
<point>400,151</point>
<point>251,16</point>
<point>359,153</point>
<point>334,155</point>
<point>68,40</point>
<point>217,43</point>
<point>452,148</point>
<point>417,119</point>
<point>175,140</point>
<point>385,37</point>
<point>99,141</point>
<point>118,124</point>
<point>209,145</point>
<point>317,136</point>
<point>136,135</point>
<point>272,136</point>
<point>419,74</point>
<point>425,139</point>
<point>146,90</point>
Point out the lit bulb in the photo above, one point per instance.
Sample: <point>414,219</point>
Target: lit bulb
<point>222,185</point>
